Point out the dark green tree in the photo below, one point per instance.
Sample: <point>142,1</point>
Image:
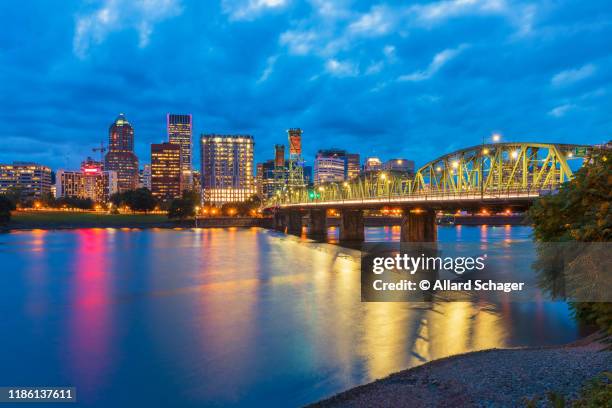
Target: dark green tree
<point>6,206</point>
<point>581,211</point>
<point>142,200</point>
<point>242,208</point>
<point>137,200</point>
<point>185,206</point>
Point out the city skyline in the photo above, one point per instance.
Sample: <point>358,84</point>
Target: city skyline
<point>386,77</point>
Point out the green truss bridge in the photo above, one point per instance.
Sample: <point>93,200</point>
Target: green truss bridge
<point>492,176</point>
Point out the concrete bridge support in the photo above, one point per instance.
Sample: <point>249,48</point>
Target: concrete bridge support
<point>318,222</point>
<point>419,226</point>
<point>279,221</point>
<point>351,225</point>
<point>294,222</point>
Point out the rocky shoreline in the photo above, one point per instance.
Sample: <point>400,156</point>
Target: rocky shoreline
<point>489,378</point>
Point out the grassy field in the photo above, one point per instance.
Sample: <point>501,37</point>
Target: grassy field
<point>61,219</point>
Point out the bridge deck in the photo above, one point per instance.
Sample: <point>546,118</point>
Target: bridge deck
<point>523,197</point>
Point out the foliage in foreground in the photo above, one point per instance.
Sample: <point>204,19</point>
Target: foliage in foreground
<point>6,206</point>
<point>140,199</point>
<point>596,393</point>
<point>581,211</point>
<point>243,208</point>
<point>185,206</point>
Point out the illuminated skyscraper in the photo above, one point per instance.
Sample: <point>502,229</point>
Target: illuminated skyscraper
<point>180,132</point>
<point>146,176</point>
<point>120,157</point>
<point>330,165</point>
<point>372,164</point>
<point>92,182</point>
<point>329,169</point>
<point>266,185</point>
<point>227,168</point>
<point>399,166</point>
<point>166,171</point>
<point>353,166</point>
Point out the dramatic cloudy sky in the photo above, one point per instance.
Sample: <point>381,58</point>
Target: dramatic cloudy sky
<point>391,79</point>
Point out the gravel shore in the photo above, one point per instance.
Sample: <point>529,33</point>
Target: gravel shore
<point>490,378</point>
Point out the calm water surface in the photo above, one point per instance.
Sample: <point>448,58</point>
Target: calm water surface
<point>228,317</point>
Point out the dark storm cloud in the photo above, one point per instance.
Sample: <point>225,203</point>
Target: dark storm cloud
<point>385,79</point>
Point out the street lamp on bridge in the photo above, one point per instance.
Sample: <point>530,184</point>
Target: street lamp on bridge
<point>495,137</point>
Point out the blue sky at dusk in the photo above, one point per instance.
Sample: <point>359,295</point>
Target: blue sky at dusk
<point>391,79</point>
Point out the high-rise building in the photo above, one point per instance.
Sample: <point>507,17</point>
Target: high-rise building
<point>338,154</point>
<point>98,184</point>
<point>353,166</point>
<point>166,171</point>
<point>69,183</point>
<point>146,177</point>
<point>180,132</point>
<point>120,157</point>
<point>372,164</point>
<point>399,166</point>
<point>90,182</point>
<point>329,169</point>
<point>266,186</point>
<point>279,155</point>
<point>197,181</point>
<point>29,180</point>
<point>308,175</point>
<point>227,168</point>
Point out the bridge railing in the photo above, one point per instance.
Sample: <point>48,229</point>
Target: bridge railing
<point>423,196</point>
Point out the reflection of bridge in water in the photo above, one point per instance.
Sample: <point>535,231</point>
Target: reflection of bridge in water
<point>492,176</point>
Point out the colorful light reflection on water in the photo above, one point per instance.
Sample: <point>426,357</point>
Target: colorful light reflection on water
<point>228,317</point>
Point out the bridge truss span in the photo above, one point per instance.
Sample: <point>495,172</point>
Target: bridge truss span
<point>499,172</point>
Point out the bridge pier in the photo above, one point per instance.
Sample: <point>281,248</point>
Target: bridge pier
<point>351,225</point>
<point>279,221</point>
<point>419,226</point>
<point>318,222</point>
<point>294,222</point>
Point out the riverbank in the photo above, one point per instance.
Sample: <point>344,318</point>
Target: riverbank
<point>496,377</point>
<point>28,220</point>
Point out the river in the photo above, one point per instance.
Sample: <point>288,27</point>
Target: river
<point>229,317</point>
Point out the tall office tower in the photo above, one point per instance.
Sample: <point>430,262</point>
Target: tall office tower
<point>295,169</point>
<point>259,170</point>
<point>166,171</point>
<point>372,164</point>
<point>266,182</point>
<point>402,166</point>
<point>353,166</point>
<point>120,157</point>
<point>146,176</point>
<point>30,180</point>
<point>308,175</point>
<point>227,168</point>
<point>329,169</point>
<point>180,132</point>
<point>279,155</point>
